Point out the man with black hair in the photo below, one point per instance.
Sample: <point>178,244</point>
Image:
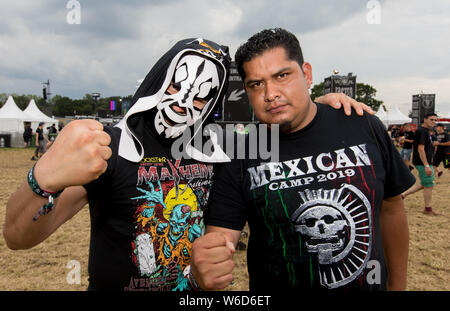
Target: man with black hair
<point>328,213</point>
<point>423,150</point>
<point>146,206</point>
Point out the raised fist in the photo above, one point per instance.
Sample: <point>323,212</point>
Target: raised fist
<point>212,261</point>
<point>77,156</point>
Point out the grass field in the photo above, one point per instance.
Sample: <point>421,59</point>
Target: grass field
<point>45,267</point>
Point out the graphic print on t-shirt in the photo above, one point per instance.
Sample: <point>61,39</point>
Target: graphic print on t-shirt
<point>336,226</point>
<point>328,207</point>
<point>168,218</point>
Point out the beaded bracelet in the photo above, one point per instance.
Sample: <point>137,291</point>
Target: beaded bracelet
<point>46,208</point>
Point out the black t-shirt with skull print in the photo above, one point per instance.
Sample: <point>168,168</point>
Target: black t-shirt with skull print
<point>314,214</point>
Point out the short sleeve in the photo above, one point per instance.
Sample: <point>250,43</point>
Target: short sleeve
<point>398,175</point>
<point>226,207</point>
<point>420,137</point>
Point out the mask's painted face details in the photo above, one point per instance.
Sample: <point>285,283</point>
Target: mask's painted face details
<point>194,85</point>
<point>178,96</point>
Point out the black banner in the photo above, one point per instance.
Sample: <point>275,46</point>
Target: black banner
<point>340,84</point>
<point>236,107</point>
<point>422,104</point>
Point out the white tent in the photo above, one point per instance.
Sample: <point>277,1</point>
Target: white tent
<point>12,121</point>
<point>33,110</point>
<point>392,116</point>
<point>381,114</point>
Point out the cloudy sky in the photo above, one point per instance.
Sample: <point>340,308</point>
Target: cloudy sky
<point>398,46</point>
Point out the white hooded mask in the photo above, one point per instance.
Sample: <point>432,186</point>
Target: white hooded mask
<point>198,69</point>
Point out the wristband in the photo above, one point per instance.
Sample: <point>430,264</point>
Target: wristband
<point>193,283</point>
<point>46,208</point>
<point>427,166</point>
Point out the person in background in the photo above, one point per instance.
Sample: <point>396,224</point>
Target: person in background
<point>442,153</point>
<point>395,134</point>
<point>408,139</point>
<point>423,150</point>
<point>27,134</point>
<point>41,142</point>
<point>51,132</point>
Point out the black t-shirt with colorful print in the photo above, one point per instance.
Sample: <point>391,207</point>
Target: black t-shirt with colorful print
<point>144,218</point>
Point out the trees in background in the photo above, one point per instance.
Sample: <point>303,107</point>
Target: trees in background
<point>365,93</point>
<point>61,106</point>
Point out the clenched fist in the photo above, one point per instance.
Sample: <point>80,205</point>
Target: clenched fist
<point>212,261</point>
<point>77,156</point>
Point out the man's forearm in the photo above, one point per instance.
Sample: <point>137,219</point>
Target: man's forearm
<point>19,231</point>
<point>395,236</point>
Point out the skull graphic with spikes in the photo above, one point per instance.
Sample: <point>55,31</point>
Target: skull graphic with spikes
<point>325,228</point>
